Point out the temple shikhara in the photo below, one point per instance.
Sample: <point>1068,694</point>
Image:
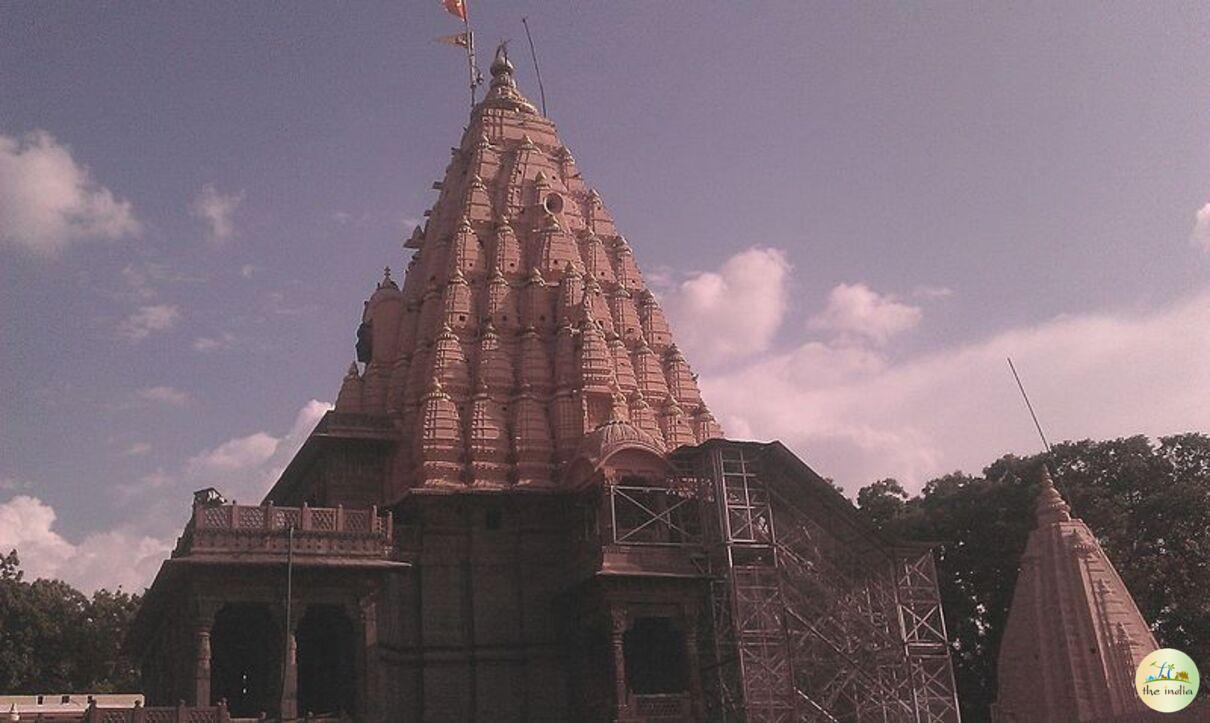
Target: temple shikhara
<point>1074,637</point>
<point>521,508</point>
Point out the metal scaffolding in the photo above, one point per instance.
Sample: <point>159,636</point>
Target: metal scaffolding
<point>813,617</point>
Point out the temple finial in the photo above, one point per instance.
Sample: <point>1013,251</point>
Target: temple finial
<point>1051,505</point>
<point>501,65</point>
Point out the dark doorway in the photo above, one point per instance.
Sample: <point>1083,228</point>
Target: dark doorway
<point>246,659</point>
<point>326,661</point>
<point>654,652</point>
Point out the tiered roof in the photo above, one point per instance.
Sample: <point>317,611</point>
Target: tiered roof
<point>521,321</point>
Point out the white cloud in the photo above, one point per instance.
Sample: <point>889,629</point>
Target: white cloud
<point>142,279</point>
<point>217,210</point>
<point>733,312</point>
<point>214,343</point>
<point>157,479</point>
<point>109,559</point>
<point>1201,228</point>
<point>170,396</point>
<point>48,201</point>
<point>236,454</point>
<point>929,291</point>
<point>856,416</point>
<point>858,309</point>
<point>244,468</point>
<point>147,320</point>
<point>136,449</point>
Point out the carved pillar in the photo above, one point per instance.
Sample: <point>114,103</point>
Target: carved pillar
<point>289,688</point>
<point>621,621</point>
<point>368,705</point>
<point>203,623</point>
<point>201,685</point>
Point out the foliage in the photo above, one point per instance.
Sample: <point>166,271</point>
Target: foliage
<point>54,638</point>
<point>1148,504</point>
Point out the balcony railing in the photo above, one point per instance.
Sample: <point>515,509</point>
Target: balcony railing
<point>265,530</point>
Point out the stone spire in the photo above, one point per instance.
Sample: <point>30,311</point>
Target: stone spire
<point>1074,635</point>
<point>521,321</point>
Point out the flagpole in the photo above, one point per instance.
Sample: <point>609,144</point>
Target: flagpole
<point>533,54</point>
<point>470,48</point>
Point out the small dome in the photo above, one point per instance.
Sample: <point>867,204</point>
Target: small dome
<point>387,288</point>
<point>614,436</point>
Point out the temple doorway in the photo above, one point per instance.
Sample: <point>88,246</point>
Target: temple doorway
<point>246,659</point>
<point>326,661</point>
<point>655,657</point>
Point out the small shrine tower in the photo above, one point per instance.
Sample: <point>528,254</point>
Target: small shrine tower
<point>1074,636</point>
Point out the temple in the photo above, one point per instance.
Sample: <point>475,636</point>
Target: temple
<point>1074,637</point>
<point>521,508</point>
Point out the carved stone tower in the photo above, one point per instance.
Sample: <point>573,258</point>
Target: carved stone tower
<point>1074,636</point>
<point>521,315</point>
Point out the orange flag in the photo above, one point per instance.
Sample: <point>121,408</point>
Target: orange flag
<point>456,8</point>
<point>458,39</point>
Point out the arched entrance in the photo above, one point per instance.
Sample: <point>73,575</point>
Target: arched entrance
<point>246,659</point>
<point>326,661</point>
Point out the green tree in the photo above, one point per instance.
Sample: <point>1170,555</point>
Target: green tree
<point>54,638</point>
<point>882,501</point>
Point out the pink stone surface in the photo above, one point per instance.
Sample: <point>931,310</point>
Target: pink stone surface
<point>1074,636</point>
<point>522,323</point>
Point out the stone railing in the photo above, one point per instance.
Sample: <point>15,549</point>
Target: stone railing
<point>657,707</point>
<point>318,531</point>
<point>137,714</point>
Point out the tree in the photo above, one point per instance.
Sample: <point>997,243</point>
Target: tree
<point>1148,504</point>
<point>53,637</point>
<point>882,501</point>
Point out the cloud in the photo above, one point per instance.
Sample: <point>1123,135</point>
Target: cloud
<point>734,312</point>
<point>136,449</point>
<point>170,396</point>
<point>214,343</point>
<point>142,279</point>
<point>244,468</point>
<point>236,454</point>
<point>12,484</point>
<point>928,291</point>
<point>156,479</point>
<point>857,416</point>
<point>148,320</point>
<point>114,558</point>
<point>858,309</point>
<point>217,210</point>
<point>48,201</point>
<point>1201,228</point>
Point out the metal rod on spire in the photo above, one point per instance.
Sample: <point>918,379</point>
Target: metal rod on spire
<point>533,54</point>
<point>1029,406</point>
<point>472,71</point>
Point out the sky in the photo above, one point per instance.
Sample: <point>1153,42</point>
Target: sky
<point>852,213</point>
